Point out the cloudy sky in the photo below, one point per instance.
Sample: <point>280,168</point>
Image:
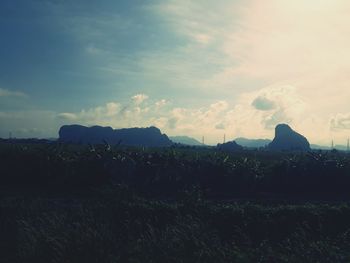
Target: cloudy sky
<point>197,68</point>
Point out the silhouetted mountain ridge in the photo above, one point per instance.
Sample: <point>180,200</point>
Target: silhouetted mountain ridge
<point>150,136</point>
<point>185,140</point>
<point>231,146</point>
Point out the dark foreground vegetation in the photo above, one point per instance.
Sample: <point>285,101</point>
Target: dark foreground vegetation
<point>71,203</point>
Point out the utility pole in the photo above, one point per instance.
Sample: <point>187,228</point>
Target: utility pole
<point>224,137</point>
<point>332,146</point>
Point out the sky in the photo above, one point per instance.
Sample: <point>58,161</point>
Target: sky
<point>195,68</point>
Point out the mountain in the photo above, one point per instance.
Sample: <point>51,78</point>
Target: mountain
<point>252,143</point>
<point>231,146</point>
<point>288,140</point>
<point>336,147</point>
<point>27,141</point>
<point>319,147</point>
<point>151,136</point>
<point>341,147</point>
<point>185,140</point>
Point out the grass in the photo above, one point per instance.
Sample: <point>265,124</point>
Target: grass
<point>116,226</point>
<point>71,203</point>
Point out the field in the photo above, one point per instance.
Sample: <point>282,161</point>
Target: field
<point>73,203</point>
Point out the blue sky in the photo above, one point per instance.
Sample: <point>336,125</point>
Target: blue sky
<point>56,50</point>
<point>189,67</point>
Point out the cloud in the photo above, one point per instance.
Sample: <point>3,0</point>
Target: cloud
<point>10,93</point>
<point>340,122</point>
<point>130,114</point>
<point>203,38</point>
<point>192,54</point>
<point>299,46</point>
<point>263,103</point>
<point>218,107</point>
<point>93,50</point>
<point>66,116</point>
<point>29,123</point>
<point>161,103</point>
<point>274,104</point>
<point>279,116</point>
<point>211,120</point>
<point>112,109</point>
<point>238,67</point>
<point>172,122</point>
<point>299,43</point>
<point>220,126</point>
<point>134,113</point>
<point>139,98</point>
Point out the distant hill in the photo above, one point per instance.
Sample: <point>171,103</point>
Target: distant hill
<point>231,146</point>
<point>28,141</point>
<point>252,143</point>
<point>341,147</point>
<point>319,147</point>
<point>151,136</point>
<point>288,140</point>
<point>336,147</point>
<point>185,140</point>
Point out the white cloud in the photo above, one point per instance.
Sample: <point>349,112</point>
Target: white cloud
<point>161,103</point>
<point>203,38</point>
<point>341,122</point>
<point>220,126</point>
<point>263,103</point>
<point>172,120</point>
<point>112,108</point>
<point>139,98</point>
<point>211,120</point>
<point>299,45</point>
<point>115,114</point>
<point>10,93</point>
<point>66,116</point>
<point>259,63</point>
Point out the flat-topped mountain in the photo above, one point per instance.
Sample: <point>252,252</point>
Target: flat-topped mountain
<point>288,140</point>
<point>185,140</point>
<point>150,136</point>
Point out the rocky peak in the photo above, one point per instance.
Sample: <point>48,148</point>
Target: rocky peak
<point>289,140</point>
